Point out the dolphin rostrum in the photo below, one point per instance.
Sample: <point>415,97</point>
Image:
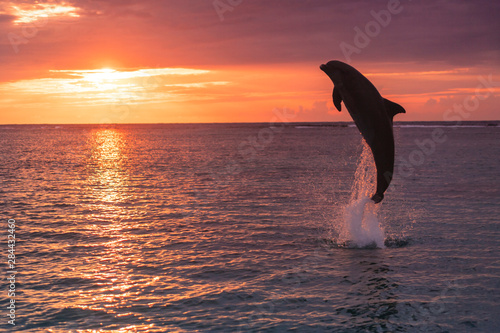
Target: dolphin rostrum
<point>372,114</point>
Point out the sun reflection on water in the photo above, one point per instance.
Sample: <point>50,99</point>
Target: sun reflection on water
<point>108,163</point>
<point>131,233</point>
<point>108,205</point>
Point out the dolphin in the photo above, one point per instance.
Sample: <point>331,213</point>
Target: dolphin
<point>372,114</point>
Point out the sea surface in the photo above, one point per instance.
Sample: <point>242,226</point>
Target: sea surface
<point>243,228</point>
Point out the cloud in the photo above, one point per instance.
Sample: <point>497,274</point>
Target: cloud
<point>28,13</point>
<point>6,18</point>
<point>319,112</point>
<point>190,33</point>
<point>108,87</point>
<point>430,102</point>
<point>451,41</point>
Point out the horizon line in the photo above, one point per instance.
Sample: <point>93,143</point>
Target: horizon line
<point>255,122</point>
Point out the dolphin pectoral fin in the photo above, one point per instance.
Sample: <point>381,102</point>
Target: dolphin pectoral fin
<point>337,98</point>
<point>393,108</point>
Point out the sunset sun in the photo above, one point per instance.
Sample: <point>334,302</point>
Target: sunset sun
<point>103,79</point>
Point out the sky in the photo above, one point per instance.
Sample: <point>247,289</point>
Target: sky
<point>152,61</point>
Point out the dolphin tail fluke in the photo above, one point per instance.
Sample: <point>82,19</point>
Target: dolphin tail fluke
<point>377,197</point>
<point>393,108</point>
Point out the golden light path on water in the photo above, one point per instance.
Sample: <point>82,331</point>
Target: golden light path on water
<point>110,217</point>
<point>127,248</point>
<point>109,179</point>
<point>109,175</point>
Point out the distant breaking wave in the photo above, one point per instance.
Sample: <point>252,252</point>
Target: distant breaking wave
<point>451,125</point>
<point>419,124</point>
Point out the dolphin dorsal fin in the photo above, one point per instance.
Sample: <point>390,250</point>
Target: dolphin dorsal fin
<point>337,98</point>
<point>393,108</point>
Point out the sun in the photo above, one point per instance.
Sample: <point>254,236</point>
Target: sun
<point>103,74</point>
<point>103,79</point>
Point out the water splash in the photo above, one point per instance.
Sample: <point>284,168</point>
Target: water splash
<point>360,224</point>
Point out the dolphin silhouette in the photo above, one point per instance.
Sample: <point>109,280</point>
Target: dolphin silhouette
<point>372,114</point>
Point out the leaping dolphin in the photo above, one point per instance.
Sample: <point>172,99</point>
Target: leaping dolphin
<point>372,114</point>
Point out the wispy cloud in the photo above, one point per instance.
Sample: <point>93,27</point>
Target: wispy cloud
<point>110,86</point>
<point>25,13</point>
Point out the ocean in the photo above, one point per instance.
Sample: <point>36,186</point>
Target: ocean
<point>248,228</point>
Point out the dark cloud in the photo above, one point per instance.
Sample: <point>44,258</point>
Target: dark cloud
<point>455,32</point>
<point>6,18</point>
<point>191,33</point>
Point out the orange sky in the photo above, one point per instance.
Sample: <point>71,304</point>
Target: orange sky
<point>203,61</point>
